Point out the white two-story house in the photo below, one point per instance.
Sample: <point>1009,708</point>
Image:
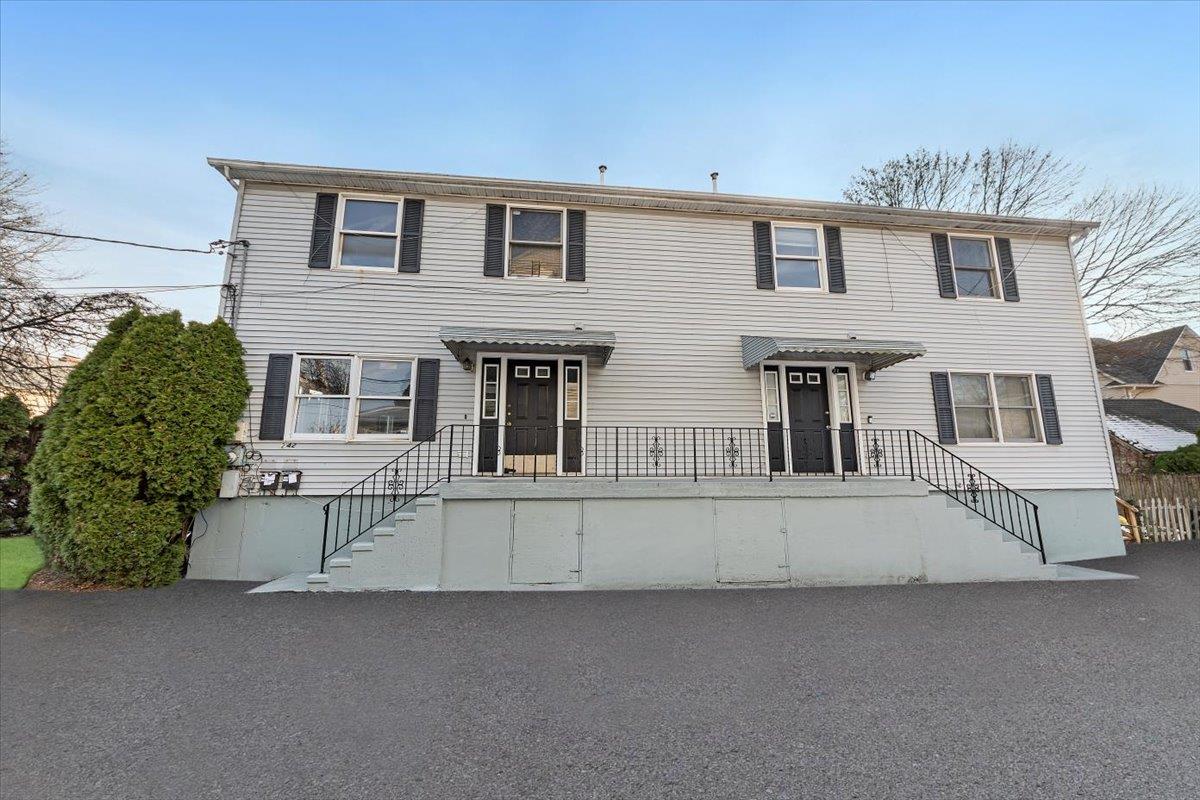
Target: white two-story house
<point>486,383</point>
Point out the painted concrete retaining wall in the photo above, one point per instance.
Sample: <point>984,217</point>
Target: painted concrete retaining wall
<point>515,534</point>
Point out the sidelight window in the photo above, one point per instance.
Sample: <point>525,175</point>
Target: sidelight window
<point>771,395</point>
<point>571,393</point>
<point>491,390</point>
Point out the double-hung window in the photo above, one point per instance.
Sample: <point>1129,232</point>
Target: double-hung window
<point>974,266</point>
<point>368,234</point>
<point>994,408</point>
<point>798,257</point>
<point>535,243</point>
<point>352,396</point>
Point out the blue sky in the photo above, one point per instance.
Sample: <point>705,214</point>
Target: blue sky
<point>113,107</point>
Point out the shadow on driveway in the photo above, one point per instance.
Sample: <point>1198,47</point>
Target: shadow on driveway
<point>1088,689</point>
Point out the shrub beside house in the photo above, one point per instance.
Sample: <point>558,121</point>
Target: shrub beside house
<point>134,447</point>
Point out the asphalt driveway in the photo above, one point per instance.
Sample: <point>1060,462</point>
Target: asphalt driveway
<point>1001,690</point>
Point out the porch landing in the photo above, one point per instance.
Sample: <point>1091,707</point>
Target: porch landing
<point>522,488</point>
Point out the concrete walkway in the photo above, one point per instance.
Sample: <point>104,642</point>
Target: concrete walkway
<point>1079,689</point>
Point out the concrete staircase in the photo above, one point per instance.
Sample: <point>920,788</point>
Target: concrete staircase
<point>974,549</point>
<point>394,555</point>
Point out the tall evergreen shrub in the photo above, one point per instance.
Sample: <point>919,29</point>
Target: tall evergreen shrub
<point>16,445</point>
<point>137,447</point>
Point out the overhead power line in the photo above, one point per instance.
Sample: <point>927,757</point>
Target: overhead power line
<point>216,247</point>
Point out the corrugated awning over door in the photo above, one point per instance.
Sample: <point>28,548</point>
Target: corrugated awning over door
<point>870,354</point>
<point>467,343</point>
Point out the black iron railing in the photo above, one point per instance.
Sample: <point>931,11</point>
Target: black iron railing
<point>674,452</point>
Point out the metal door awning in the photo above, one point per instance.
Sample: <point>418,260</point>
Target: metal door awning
<point>871,355</point>
<point>467,343</point>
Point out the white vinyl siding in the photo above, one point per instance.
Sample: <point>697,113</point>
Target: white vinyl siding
<point>678,290</point>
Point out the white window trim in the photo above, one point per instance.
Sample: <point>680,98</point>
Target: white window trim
<point>997,288</point>
<point>995,409</point>
<point>338,230</point>
<point>822,275</point>
<point>351,434</point>
<point>1189,365</point>
<point>508,240</point>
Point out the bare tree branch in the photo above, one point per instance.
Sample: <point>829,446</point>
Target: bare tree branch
<point>39,325</point>
<point>1141,268</point>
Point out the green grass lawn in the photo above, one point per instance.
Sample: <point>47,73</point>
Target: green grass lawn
<point>20,557</point>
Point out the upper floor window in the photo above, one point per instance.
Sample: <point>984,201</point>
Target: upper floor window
<point>974,266</point>
<point>343,396</point>
<point>798,257</point>
<point>368,234</point>
<point>994,408</point>
<point>1187,360</point>
<point>535,243</point>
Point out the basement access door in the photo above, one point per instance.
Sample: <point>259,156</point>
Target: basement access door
<point>547,537</point>
<point>751,541</point>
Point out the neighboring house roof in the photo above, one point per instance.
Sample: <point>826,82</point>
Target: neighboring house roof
<point>422,183</point>
<point>1152,426</point>
<point>1137,361</point>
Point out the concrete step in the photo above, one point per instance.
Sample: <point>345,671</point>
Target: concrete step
<point>362,547</point>
<point>317,579</point>
<point>341,562</point>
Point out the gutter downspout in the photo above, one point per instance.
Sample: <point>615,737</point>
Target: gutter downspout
<point>236,249</point>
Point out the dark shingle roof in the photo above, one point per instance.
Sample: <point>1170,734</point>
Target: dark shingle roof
<point>1155,412</point>
<point>1136,360</point>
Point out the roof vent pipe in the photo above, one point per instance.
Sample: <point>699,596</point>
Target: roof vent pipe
<point>603,169</point>
<point>714,180</point>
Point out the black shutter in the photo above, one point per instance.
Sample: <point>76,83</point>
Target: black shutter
<point>1008,270</point>
<point>275,397</point>
<point>493,246</point>
<point>764,258</point>
<point>576,245</point>
<point>834,264</point>
<point>320,249</point>
<point>943,408</point>
<point>1045,388</point>
<point>425,415</point>
<point>410,235</point>
<point>945,270</point>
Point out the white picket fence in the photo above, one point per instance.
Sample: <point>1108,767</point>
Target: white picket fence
<point>1168,505</point>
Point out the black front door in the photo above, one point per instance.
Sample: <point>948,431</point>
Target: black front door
<point>531,409</point>
<point>808,419</point>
